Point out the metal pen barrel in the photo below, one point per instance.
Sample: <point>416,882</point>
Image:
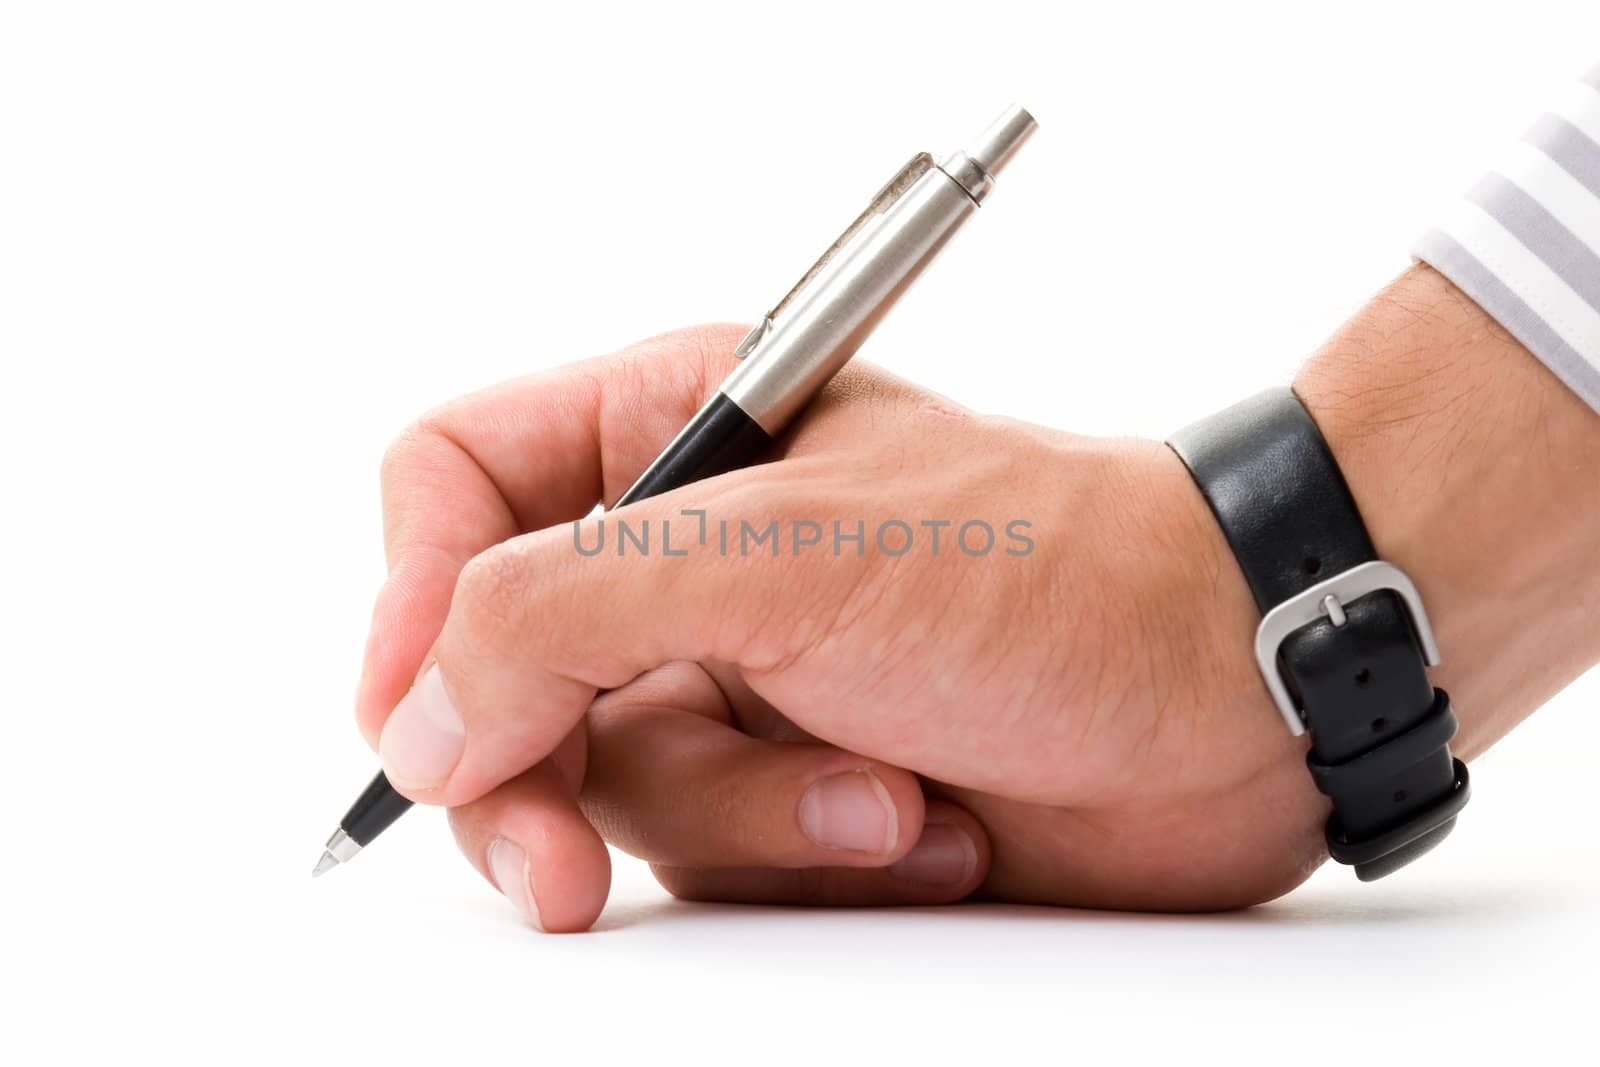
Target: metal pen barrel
<point>817,328</point>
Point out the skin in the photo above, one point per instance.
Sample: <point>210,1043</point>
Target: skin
<point>1064,727</point>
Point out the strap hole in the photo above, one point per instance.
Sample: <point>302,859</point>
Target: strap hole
<point>1363,677</point>
<point>1313,565</point>
<point>1378,725</point>
<point>1400,796</point>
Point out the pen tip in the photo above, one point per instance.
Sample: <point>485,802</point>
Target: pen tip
<point>327,863</point>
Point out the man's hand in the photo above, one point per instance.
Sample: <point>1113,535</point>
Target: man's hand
<point>1064,711</point>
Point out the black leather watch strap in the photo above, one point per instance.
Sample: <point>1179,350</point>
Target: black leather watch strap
<point>1351,662</point>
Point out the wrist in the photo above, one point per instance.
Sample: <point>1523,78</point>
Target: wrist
<point>1476,472</point>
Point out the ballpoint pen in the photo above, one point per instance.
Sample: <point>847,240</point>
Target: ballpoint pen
<point>790,354</point>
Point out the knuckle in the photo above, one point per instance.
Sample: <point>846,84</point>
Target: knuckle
<point>713,344</point>
<point>704,351</point>
<point>398,457</point>
<point>490,593</point>
<point>409,451</point>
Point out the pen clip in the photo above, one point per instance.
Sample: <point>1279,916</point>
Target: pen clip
<point>892,191</point>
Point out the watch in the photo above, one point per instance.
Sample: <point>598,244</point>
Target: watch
<point>1344,640</point>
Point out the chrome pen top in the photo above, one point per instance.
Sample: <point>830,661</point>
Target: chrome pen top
<point>997,144</point>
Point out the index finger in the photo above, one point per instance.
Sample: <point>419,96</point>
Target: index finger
<point>519,456</point>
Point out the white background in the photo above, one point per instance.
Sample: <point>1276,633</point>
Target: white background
<point>241,246</point>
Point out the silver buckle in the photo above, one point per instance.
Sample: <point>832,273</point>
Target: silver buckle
<point>1328,598</point>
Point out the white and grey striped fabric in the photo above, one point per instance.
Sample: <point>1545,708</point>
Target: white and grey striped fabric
<point>1525,241</point>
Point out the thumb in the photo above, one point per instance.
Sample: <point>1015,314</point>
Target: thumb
<point>540,623</point>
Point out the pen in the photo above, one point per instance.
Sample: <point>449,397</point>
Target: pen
<point>788,357</point>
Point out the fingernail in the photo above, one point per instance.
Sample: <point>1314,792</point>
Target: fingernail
<point>943,855</point>
<point>508,865</point>
<point>849,811</point>
<point>423,740</point>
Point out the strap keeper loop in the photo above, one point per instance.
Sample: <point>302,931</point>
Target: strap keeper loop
<point>1379,765</point>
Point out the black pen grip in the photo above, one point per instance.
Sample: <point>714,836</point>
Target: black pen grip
<point>376,807</point>
<point>720,438</point>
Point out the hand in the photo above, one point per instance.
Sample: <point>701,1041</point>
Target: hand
<point>1078,723</point>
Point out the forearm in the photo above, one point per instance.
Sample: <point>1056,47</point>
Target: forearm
<point>1478,472</point>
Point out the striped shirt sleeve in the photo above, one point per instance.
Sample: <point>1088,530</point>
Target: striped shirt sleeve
<point>1525,241</point>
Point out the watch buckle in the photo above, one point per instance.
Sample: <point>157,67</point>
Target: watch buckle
<point>1327,599</point>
